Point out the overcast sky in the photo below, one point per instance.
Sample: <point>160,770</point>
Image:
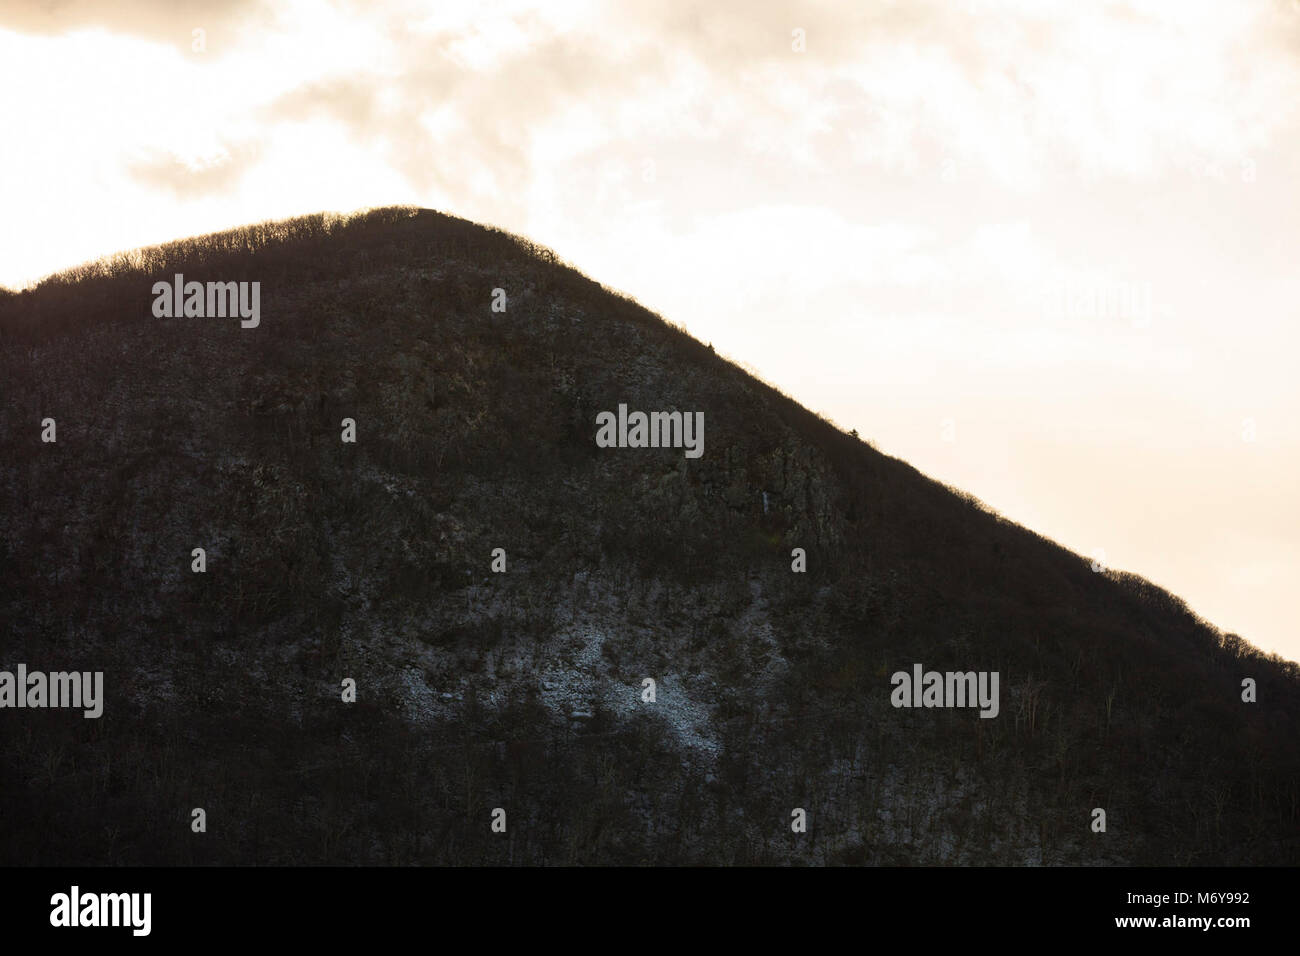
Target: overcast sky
<point>1042,251</point>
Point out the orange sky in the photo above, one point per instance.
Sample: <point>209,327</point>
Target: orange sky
<point>1040,250</point>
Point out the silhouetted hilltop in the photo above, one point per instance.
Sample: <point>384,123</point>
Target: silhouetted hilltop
<point>475,430</point>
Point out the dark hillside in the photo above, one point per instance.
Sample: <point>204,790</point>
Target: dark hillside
<point>522,690</point>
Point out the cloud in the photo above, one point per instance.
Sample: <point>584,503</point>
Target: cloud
<point>459,112</point>
<point>188,178</point>
<point>168,21</point>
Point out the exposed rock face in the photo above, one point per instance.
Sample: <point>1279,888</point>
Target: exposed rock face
<point>526,689</point>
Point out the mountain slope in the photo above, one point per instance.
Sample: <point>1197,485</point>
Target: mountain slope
<point>372,561</point>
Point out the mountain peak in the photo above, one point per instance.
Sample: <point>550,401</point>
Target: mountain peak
<point>457,473</point>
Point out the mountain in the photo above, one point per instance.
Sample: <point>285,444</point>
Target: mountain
<point>476,370</point>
